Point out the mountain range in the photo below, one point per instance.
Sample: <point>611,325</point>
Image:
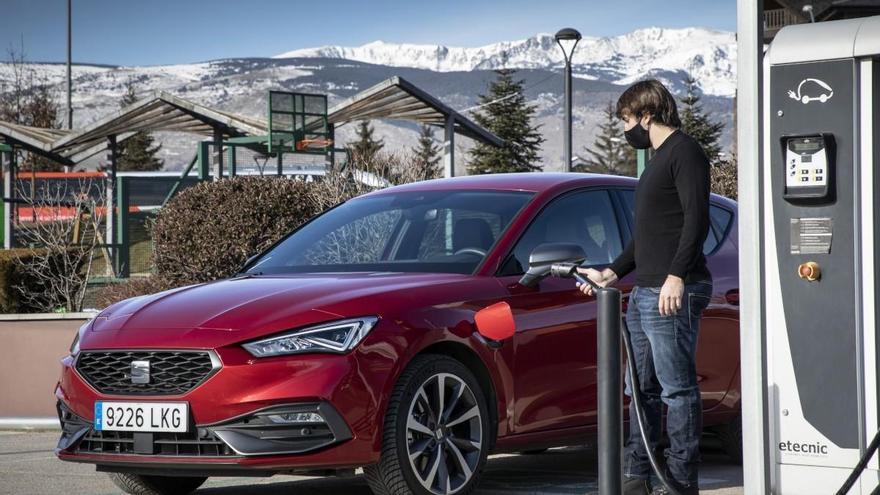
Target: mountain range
<point>456,75</point>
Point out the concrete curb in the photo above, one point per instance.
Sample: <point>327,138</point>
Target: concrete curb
<point>88,315</point>
<point>29,424</point>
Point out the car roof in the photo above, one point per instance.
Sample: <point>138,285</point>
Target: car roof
<point>537,182</point>
<point>523,181</point>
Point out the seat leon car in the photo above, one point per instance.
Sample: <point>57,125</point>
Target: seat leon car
<point>351,343</point>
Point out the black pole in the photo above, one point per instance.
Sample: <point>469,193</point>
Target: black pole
<point>609,393</point>
<point>566,165</point>
<point>69,63</point>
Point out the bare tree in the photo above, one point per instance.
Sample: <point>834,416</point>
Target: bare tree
<point>24,101</point>
<point>64,238</point>
<point>364,174</point>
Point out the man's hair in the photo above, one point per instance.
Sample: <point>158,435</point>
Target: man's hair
<point>649,97</point>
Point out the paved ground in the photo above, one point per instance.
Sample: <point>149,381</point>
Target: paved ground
<point>28,467</point>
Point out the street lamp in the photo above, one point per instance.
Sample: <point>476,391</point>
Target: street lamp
<point>567,39</point>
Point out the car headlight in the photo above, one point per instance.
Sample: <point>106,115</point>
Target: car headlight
<point>336,337</point>
<point>74,346</point>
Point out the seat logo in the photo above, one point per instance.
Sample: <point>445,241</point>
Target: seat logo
<point>140,372</point>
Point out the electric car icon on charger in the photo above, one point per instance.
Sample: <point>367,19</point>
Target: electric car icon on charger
<point>352,343</point>
<point>820,89</point>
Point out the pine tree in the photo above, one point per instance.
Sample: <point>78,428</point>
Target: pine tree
<point>138,151</point>
<point>426,155</point>
<point>506,114</point>
<point>610,153</point>
<point>366,146</point>
<point>696,123</point>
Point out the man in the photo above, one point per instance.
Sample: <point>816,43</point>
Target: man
<point>672,285</point>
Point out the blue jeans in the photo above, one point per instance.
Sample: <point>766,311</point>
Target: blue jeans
<point>665,349</point>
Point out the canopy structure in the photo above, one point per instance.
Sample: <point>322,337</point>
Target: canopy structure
<point>394,98</point>
<point>398,99</point>
<point>162,112</point>
<point>34,139</point>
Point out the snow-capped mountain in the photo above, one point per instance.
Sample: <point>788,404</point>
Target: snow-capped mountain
<point>454,75</point>
<point>709,55</point>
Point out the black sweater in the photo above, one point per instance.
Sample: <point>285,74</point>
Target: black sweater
<point>671,216</point>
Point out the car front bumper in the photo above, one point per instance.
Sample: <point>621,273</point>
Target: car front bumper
<point>229,432</point>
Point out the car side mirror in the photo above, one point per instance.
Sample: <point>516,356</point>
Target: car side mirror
<point>546,255</point>
<point>495,323</point>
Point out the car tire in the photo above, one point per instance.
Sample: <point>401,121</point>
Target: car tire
<point>423,456</point>
<point>731,439</point>
<point>137,484</point>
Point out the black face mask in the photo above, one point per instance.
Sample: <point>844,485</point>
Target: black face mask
<point>638,137</point>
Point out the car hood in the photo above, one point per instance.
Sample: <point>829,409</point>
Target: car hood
<point>237,309</point>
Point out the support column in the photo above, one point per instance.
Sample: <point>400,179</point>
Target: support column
<point>8,162</point>
<point>123,257</point>
<point>218,153</point>
<point>641,161</point>
<point>110,203</point>
<point>449,147</point>
<point>750,103</point>
<point>331,156</point>
<point>230,161</point>
<point>204,160</point>
<point>280,162</point>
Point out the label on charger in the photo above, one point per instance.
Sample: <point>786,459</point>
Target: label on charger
<point>811,235</point>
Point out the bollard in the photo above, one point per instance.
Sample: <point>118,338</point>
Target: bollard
<point>610,428</point>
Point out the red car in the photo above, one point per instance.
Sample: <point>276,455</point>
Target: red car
<point>351,342</point>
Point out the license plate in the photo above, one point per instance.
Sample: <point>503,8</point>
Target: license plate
<point>169,417</point>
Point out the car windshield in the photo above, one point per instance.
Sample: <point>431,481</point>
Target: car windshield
<point>425,231</point>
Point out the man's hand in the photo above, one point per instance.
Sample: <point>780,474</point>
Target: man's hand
<point>670,295</point>
<point>603,279</point>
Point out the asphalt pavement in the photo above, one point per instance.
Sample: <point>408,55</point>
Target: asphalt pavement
<point>28,467</point>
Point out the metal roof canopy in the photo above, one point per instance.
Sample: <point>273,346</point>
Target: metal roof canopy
<point>163,112</point>
<point>34,139</point>
<point>394,98</point>
<point>398,99</point>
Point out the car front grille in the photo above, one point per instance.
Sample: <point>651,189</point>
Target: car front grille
<point>170,372</point>
<point>201,443</point>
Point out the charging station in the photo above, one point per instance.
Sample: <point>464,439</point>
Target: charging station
<point>810,343</point>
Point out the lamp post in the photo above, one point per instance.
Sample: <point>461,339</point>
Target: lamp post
<point>567,39</point>
<point>69,63</point>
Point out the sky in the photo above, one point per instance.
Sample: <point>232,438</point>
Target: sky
<point>156,32</point>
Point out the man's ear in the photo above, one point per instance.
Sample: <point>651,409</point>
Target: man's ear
<point>646,120</point>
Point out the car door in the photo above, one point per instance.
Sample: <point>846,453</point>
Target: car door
<point>718,341</point>
<point>555,344</point>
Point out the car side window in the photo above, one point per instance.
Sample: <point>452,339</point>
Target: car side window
<point>629,200</point>
<point>585,218</point>
<point>719,220</point>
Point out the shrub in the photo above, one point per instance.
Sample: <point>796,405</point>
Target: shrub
<point>724,179</point>
<point>209,230</point>
<point>133,287</point>
<point>14,276</point>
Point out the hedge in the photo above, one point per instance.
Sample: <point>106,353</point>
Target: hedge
<point>12,275</point>
<point>209,230</point>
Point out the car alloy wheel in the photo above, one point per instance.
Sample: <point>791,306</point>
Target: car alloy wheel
<point>437,431</point>
<point>443,434</point>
